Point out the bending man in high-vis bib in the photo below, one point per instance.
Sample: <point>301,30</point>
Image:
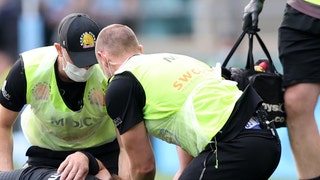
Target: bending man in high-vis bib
<point>219,130</point>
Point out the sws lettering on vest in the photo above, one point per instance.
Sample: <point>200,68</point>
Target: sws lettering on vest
<point>87,121</point>
<point>273,107</point>
<point>187,76</point>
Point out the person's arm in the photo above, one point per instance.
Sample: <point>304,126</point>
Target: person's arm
<point>184,160</point>
<point>137,145</point>
<point>125,99</point>
<point>103,173</point>
<point>12,99</point>
<point>124,163</point>
<point>7,119</point>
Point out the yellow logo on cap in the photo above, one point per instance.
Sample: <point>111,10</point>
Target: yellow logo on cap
<point>87,40</point>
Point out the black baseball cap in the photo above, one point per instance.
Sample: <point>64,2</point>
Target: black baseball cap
<point>77,34</point>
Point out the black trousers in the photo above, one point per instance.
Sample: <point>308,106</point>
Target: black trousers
<point>108,154</point>
<point>237,153</point>
<point>43,163</point>
<point>252,155</point>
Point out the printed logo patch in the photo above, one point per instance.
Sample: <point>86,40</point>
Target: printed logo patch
<point>5,93</point>
<point>253,123</point>
<point>54,177</point>
<point>87,40</point>
<point>41,91</point>
<point>117,121</point>
<point>97,97</point>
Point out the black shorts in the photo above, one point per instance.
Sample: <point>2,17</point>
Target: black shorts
<point>108,154</point>
<point>299,47</point>
<point>252,155</point>
<point>35,173</point>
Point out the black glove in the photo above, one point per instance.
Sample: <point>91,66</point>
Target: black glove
<point>240,76</point>
<point>251,15</point>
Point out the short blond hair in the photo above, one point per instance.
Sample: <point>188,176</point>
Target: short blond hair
<point>117,39</point>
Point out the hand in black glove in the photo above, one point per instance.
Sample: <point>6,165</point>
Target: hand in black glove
<point>251,15</point>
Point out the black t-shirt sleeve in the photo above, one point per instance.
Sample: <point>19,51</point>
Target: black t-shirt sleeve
<point>13,92</point>
<point>125,99</point>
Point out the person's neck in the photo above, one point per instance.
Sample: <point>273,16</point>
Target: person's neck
<point>128,57</point>
<point>117,62</point>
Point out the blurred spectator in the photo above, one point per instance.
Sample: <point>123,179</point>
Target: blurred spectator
<point>104,12</point>
<point>5,64</point>
<point>10,11</point>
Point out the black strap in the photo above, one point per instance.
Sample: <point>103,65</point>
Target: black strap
<point>233,49</point>
<point>266,52</point>
<point>93,163</point>
<point>250,59</point>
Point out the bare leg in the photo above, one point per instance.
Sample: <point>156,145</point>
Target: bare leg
<point>300,102</point>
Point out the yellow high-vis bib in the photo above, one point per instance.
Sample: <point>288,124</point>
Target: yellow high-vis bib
<point>316,2</point>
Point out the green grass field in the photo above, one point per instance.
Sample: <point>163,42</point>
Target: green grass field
<point>164,177</point>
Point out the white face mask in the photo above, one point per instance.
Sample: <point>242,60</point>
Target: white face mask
<point>77,74</point>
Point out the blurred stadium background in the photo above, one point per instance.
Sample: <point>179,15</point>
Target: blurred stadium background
<point>203,29</point>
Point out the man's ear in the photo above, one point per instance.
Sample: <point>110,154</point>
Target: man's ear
<point>101,57</point>
<point>100,54</point>
<point>140,48</point>
<point>58,48</point>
